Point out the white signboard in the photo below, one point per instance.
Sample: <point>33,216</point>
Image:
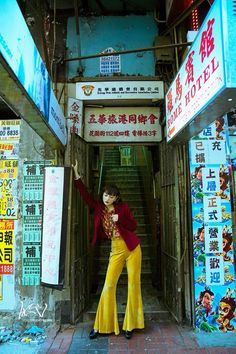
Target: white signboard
<point>120,90</point>
<point>213,239</point>
<point>200,78</point>
<point>212,209</point>
<point>126,124</point>
<point>52,223</point>
<point>75,115</point>
<point>110,63</point>
<point>10,129</point>
<point>214,270</point>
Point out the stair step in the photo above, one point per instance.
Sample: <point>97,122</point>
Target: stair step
<point>152,303</point>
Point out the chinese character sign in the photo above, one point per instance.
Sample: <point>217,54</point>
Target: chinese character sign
<point>110,90</point>
<point>111,63</point>
<point>200,78</point>
<point>52,224</point>
<point>6,246</point>
<point>32,208</point>
<point>10,129</point>
<point>8,189</point>
<point>129,124</point>
<point>214,275</point>
<point>75,114</point>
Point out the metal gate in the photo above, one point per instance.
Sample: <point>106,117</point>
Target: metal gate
<point>176,271</point>
<point>79,236</point>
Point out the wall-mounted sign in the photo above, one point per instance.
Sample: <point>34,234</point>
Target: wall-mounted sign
<point>213,249</point>
<point>55,204</point>
<point>75,116</point>
<point>120,90</point>
<point>8,189</point>
<point>128,124</point>
<point>110,64</point>
<point>205,84</point>
<point>21,54</point>
<point>10,129</point>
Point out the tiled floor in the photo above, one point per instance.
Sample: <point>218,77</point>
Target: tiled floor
<point>157,337</point>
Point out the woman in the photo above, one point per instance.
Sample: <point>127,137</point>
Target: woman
<point>114,220</point>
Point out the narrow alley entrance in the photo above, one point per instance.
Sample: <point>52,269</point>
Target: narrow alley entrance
<point>126,166</point>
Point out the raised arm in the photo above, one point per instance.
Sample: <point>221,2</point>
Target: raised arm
<point>87,197</point>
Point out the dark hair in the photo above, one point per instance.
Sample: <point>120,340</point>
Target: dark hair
<point>112,189</point>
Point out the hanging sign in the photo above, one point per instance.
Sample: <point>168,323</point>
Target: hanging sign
<point>205,84</point>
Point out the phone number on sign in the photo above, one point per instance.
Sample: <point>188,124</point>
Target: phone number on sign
<point>6,268</point>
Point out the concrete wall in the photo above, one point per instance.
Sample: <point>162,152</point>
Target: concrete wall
<point>28,305</point>
<point>118,32</point>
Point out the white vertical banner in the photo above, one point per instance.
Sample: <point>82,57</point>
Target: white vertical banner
<point>52,224</point>
<point>212,209</point>
<point>215,270</point>
<point>213,239</point>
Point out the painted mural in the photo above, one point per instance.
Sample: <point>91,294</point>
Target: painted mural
<point>214,273</point>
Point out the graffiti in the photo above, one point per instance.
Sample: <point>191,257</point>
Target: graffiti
<point>32,310</point>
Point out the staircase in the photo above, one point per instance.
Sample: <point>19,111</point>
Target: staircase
<point>130,184</point>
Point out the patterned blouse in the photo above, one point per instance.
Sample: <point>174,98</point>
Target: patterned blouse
<point>109,226</point>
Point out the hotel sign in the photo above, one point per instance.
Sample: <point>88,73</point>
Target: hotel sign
<point>198,93</point>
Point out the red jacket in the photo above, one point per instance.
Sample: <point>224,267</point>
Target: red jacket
<point>126,223</point>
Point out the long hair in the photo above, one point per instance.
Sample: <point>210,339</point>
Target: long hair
<point>112,189</point>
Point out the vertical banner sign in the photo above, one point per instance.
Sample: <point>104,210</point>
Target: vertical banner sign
<point>53,249</point>
<point>9,150</point>
<point>8,189</point>
<point>32,220</point>
<point>75,115</point>
<point>214,274</point>
<point>6,246</point>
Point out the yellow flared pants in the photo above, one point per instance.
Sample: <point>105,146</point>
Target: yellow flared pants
<point>106,320</point>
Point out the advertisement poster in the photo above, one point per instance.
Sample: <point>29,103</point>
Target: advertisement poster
<point>7,239</point>
<point>33,178</point>
<point>214,274</point>
<point>8,189</point>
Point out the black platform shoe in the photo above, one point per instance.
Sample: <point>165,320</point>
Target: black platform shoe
<point>128,334</point>
<point>93,334</point>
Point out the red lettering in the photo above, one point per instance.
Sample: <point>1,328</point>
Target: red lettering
<point>175,114</point>
<point>206,73</point>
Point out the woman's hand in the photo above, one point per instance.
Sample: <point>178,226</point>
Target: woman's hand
<point>75,168</point>
<point>114,217</point>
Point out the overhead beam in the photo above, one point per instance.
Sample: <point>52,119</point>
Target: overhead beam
<point>18,100</point>
<point>146,49</point>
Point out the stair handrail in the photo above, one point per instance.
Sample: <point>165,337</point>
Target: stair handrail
<point>150,168</point>
<point>101,170</point>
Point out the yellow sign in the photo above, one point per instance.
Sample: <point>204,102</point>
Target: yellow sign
<point>6,246</point>
<point>0,287</point>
